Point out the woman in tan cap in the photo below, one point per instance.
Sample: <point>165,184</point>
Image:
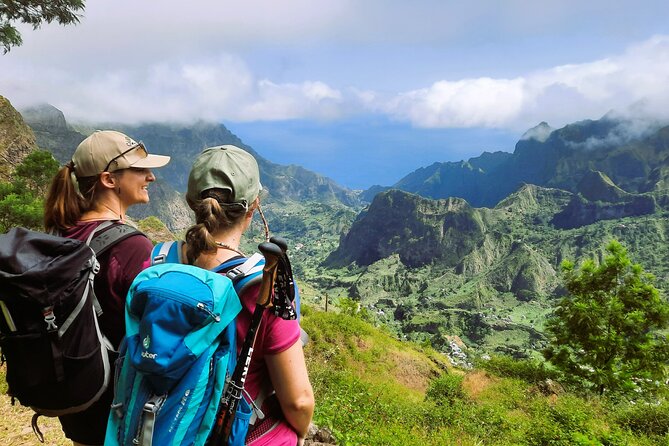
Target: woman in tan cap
<point>108,173</point>
<point>223,188</point>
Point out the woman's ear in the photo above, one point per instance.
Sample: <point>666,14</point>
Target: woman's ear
<point>108,180</point>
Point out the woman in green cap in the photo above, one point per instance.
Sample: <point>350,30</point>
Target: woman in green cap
<point>223,188</point>
<point>108,173</point>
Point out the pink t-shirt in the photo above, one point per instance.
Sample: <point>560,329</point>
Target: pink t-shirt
<point>118,267</point>
<point>275,335</point>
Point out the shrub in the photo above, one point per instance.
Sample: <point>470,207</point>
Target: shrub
<point>445,389</point>
<point>529,370</point>
<point>649,419</point>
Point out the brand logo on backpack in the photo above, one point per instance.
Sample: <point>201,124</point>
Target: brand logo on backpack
<point>148,355</point>
<point>146,342</point>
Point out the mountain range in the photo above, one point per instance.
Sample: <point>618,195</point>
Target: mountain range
<point>183,143</point>
<point>630,153</point>
<point>470,248</point>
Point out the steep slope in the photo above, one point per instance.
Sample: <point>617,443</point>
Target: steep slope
<point>597,186</point>
<point>16,139</point>
<point>599,198</point>
<point>419,230</point>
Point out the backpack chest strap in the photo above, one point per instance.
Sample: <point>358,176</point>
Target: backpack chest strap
<point>250,266</point>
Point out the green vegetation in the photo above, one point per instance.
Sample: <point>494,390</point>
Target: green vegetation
<point>22,198</point>
<point>34,12</point>
<point>373,390</point>
<point>606,331</point>
<point>155,230</point>
<point>499,294</point>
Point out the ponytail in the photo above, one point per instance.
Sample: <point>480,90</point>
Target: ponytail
<point>212,213</point>
<point>64,203</point>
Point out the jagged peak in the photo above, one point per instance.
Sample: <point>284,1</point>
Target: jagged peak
<point>529,196</point>
<point>597,186</point>
<point>540,132</point>
<point>45,115</point>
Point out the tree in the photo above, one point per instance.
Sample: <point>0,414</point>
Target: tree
<point>607,330</point>
<point>36,171</point>
<point>34,12</point>
<point>22,200</point>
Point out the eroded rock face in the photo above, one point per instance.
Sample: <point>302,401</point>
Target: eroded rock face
<point>419,230</point>
<point>16,139</point>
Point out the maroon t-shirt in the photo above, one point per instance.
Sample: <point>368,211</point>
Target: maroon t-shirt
<point>118,267</point>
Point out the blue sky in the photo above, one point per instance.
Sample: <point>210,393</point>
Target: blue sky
<point>361,91</point>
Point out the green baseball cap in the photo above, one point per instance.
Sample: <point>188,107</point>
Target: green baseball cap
<point>225,167</point>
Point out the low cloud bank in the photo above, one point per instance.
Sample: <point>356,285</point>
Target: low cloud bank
<point>225,88</point>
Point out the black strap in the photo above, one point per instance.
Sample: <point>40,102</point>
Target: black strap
<point>40,435</point>
<point>109,237</point>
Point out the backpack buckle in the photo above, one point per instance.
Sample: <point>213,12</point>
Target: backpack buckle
<point>234,272</point>
<point>160,258</point>
<point>50,319</point>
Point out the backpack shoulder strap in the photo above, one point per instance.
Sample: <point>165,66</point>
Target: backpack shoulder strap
<point>167,252</point>
<point>243,272</point>
<point>107,234</point>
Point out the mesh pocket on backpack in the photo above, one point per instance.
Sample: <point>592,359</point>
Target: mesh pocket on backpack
<point>240,425</point>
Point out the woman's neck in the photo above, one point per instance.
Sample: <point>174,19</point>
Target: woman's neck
<point>105,209</point>
<point>227,248</point>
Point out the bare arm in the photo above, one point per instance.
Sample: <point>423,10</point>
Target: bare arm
<point>288,372</point>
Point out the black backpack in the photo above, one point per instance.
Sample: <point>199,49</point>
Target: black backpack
<point>57,358</point>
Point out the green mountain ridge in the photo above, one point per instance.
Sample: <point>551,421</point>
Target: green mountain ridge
<point>550,158</point>
<point>431,269</point>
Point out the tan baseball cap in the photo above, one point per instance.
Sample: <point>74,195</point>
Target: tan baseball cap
<point>225,167</point>
<point>109,150</point>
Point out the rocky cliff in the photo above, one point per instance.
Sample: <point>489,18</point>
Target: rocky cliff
<point>16,139</point>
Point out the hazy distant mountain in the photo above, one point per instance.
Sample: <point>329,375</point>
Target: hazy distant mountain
<point>183,143</point>
<point>551,158</point>
<point>52,131</point>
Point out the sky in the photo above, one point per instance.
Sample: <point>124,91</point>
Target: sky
<point>363,91</point>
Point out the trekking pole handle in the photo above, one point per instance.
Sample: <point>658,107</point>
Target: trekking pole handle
<point>280,242</point>
<point>272,253</point>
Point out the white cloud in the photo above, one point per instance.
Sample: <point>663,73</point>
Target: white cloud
<point>467,103</point>
<point>558,95</point>
<point>221,89</point>
<point>130,61</point>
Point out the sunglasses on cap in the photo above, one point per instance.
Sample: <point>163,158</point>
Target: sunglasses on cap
<point>139,145</point>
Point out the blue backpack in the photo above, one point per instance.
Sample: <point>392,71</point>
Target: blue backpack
<point>180,349</point>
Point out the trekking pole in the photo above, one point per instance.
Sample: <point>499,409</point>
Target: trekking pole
<point>234,391</point>
<point>284,296</point>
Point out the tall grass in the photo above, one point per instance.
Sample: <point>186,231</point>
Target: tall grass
<point>364,397</point>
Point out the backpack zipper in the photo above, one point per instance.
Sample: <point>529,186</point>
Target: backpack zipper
<point>176,297</point>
